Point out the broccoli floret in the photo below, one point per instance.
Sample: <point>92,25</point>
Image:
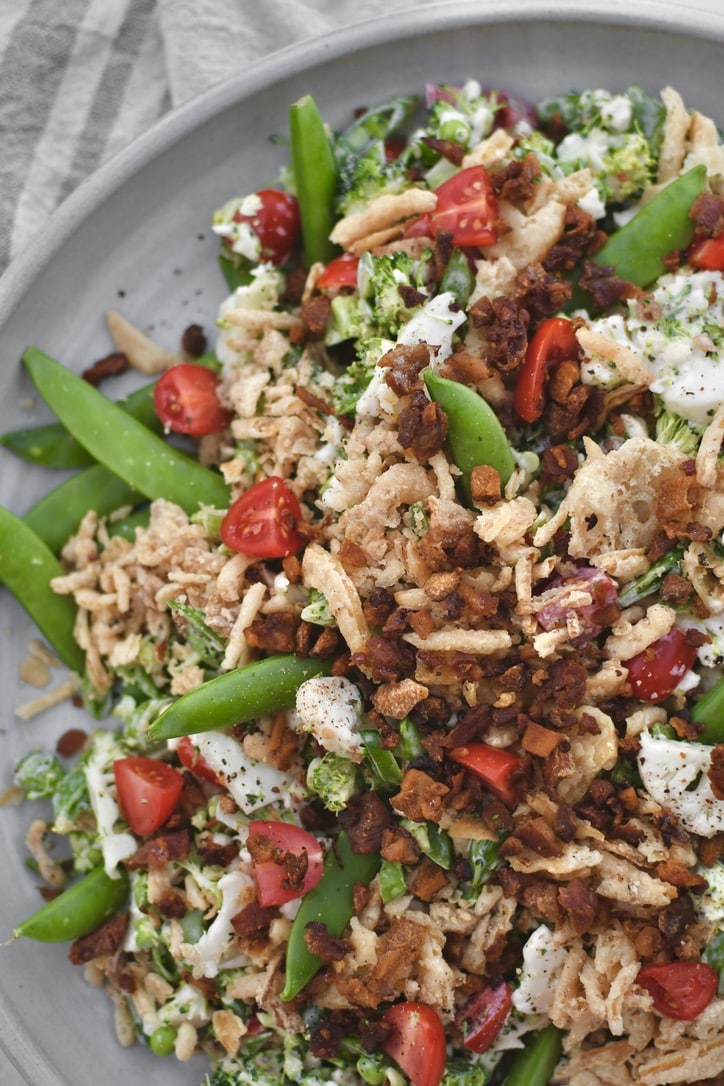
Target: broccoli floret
<point>70,799</point>
<point>364,177</point>
<point>317,610</point>
<point>39,774</point>
<point>677,432</point>
<point>617,135</point>
<point>463,115</point>
<point>394,286</point>
<point>334,779</point>
<point>356,379</point>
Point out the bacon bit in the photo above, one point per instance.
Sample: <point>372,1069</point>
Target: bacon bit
<point>326,1039</point>
<point>485,485</point>
<point>315,314</point>
<point>71,742</point>
<point>365,818</point>
<point>211,852</point>
<point>399,846</point>
<point>678,874</point>
<point>320,942</point>
<point>539,740</point>
<point>193,341</point>
<point>466,368</point>
<point>675,588</point>
<point>311,399</point>
<point>104,940</point>
<point>352,555</point>
<point>563,379</point>
<point>420,797</point>
<point>159,851</point>
<point>171,905</point>
<point>111,366</point>
<point>711,849</point>
<point>538,835</point>
<point>253,920</point>
<point>275,632</point>
<point>422,427</point>
<point>716,771</point>
<point>405,364</point>
<point>426,880</point>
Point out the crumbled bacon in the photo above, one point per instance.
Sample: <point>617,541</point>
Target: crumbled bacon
<point>323,944</point>
<point>315,314</point>
<point>112,365</point>
<point>422,427</point>
<point>420,797</point>
<point>253,920</point>
<point>404,364</point>
<point>365,819</point>
<point>275,632</point>
<point>579,904</point>
<point>707,211</point>
<point>539,291</point>
<point>159,851</point>
<point>106,939</point>
<point>515,182</point>
<point>193,341</point>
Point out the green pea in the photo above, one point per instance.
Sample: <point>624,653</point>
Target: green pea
<point>475,435</point>
<point>162,1041</point>
<point>236,697</point>
<point>80,909</point>
<point>27,566</point>
<point>330,902</point>
<point>144,460</point>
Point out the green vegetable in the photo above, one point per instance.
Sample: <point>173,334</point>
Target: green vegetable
<point>383,764</point>
<point>650,581</point>
<point>27,566</point>
<point>474,435</point>
<point>457,277</point>
<point>330,902</point>
<point>637,251</point>
<point>38,773</point>
<point>124,445</point>
<point>394,286</point>
<point>364,171</point>
<point>162,1040</point>
<point>677,433</point>
<point>334,779</point>
<point>315,177</point>
<point>709,710</point>
<point>238,696</point>
<point>208,645</point>
<point>57,516</point>
<point>392,881</point>
<point>483,857</point>
<point>80,909</point>
<point>534,1064</point>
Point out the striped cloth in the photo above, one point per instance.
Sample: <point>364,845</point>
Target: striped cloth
<point>79,79</point>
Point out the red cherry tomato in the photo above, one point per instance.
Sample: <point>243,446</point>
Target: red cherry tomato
<point>657,671</point>
<point>194,761</point>
<point>679,989</point>
<point>417,1042</point>
<point>276,224</point>
<point>270,876</point>
<point>148,791</point>
<point>340,272</point>
<point>262,522</point>
<point>499,769</point>
<point>484,1016</point>
<point>553,341</point>
<point>466,208</point>
<point>707,254</point>
<point>186,400</point>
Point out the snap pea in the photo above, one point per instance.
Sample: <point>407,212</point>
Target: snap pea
<point>27,566</point>
<point>457,277</point>
<point>51,446</point>
<point>80,909</point>
<point>709,710</point>
<point>315,177</point>
<point>58,514</point>
<point>143,459</point>
<point>330,902</point>
<point>474,435</point>
<point>235,697</point>
<point>534,1064</point>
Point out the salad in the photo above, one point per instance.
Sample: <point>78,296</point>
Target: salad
<point>406,648</point>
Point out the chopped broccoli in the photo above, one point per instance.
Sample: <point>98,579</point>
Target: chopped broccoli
<point>677,432</point>
<point>317,610</point>
<point>39,773</point>
<point>70,799</point>
<point>365,169</point>
<point>617,135</point>
<point>462,115</point>
<point>357,377</point>
<point>207,644</point>
<point>650,581</point>
<point>334,779</point>
<point>394,286</point>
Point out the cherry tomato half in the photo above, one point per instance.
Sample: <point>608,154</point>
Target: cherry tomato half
<point>679,989</point>
<point>340,272</point>
<point>262,522</point>
<point>707,254</point>
<point>270,875</point>
<point>276,224</point>
<point>186,400</point>
<point>553,341</point>
<point>657,671</point>
<point>194,761</point>
<point>417,1042</point>
<point>498,769</point>
<point>148,791</point>
<point>466,208</point>
<point>484,1016</point>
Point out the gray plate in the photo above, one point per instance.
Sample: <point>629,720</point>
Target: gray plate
<point>136,237</point>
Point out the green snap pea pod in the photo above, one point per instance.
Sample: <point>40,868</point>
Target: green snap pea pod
<point>330,902</point>
<point>144,460</point>
<point>58,514</point>
<point>51,446</point>
<point>126,526</point>
<point>457,277</point>
<point>534,1064</point>
<point>474,435</point>
<point>238,696</point>
<point>80,909</point>
<point>638,249</point>
<point>27,566</point>
<point>709,711</point>
<point>315,176</point>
